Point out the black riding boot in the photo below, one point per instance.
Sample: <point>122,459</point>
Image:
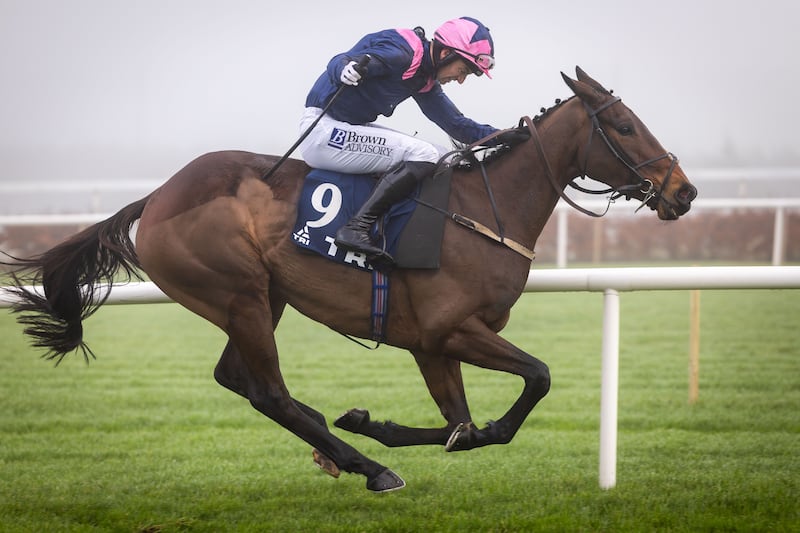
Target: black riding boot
<point>390,189</point>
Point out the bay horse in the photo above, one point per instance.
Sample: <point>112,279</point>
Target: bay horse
<point>216,238</point>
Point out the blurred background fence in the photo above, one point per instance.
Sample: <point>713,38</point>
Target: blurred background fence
<point>747,216</point>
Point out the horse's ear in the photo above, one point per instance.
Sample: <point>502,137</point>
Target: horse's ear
<point>569,81</point>
<point>586,92</point>
<point>582,76</point>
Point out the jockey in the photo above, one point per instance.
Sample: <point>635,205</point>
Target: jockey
<point>402,64</point>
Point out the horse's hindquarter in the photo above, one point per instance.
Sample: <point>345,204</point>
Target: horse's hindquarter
<point>204,235</point>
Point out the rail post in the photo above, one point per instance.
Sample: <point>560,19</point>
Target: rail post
<point>608,390</point>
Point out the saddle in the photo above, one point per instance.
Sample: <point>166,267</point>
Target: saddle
<point>411,231</point>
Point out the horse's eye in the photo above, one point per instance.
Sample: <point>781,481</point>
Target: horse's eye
<point>625,129</point>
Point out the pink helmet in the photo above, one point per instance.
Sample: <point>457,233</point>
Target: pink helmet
<point>469,39</point>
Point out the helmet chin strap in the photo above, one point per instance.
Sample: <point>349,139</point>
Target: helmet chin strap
<point>434,60</point>
<point>438,61</point>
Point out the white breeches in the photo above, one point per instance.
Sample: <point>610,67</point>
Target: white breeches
<point>360,149</point>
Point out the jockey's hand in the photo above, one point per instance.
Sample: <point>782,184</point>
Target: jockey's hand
<point>514,136</point>
<point>352,73</point>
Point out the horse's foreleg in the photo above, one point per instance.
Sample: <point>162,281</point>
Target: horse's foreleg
<point>478,345</point>
<point>262,383</point>
<point>446,386</point>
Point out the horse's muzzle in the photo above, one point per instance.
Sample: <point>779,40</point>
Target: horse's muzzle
<point>678,205</point>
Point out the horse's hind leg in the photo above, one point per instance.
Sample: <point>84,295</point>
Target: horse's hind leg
<point>231,373</point>
<point>250,330</point>
<point>446,386</point>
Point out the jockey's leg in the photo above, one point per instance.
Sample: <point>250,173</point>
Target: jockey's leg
<point>390,189</point>
<point>401,159</point>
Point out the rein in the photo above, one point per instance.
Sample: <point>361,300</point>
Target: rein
<point>474,225</point>
<point>549,171</point>
<point>485,230</point>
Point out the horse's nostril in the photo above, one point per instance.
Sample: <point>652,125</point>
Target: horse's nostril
<point>686,194</point>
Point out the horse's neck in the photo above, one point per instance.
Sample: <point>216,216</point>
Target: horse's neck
<point>561,131</point>
<point>526,189</point>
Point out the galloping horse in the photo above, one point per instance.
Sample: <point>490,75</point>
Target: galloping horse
<point>216,238</point>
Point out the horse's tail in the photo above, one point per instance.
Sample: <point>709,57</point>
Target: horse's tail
<point>76,276</point>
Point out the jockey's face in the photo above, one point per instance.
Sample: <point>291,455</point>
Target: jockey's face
<point>455,71</point>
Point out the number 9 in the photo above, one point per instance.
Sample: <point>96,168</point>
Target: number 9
<point>330,209</point>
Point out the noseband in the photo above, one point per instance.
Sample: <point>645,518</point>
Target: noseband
<point>644,185</point>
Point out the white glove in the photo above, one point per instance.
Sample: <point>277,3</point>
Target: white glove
<point>350,76</point>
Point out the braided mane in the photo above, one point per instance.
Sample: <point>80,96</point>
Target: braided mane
<point>494,154</point>
<point>544,111</point>
<point>465,157</point>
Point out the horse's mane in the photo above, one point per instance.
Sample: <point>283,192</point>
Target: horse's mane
<point>490,155</point>
<point>545,111</point>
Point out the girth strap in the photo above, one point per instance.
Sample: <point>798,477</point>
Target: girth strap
<point>380,305</point>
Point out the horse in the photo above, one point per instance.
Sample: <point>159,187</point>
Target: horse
<point>216,238</point>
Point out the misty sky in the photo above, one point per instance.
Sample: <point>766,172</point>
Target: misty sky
<point>111,89</point>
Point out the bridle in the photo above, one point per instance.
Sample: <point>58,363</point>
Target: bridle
<point>644,185</point>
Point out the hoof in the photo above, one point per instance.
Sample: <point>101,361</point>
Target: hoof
<point>325,463</point>
<point>352,420</point>
<point>386,481</point>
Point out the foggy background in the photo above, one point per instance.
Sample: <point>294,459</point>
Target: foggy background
<point>105,90</point>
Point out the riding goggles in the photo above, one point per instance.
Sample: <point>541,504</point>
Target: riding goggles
<point>481,62</point>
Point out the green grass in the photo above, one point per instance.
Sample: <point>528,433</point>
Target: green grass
<point>144,439</point>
